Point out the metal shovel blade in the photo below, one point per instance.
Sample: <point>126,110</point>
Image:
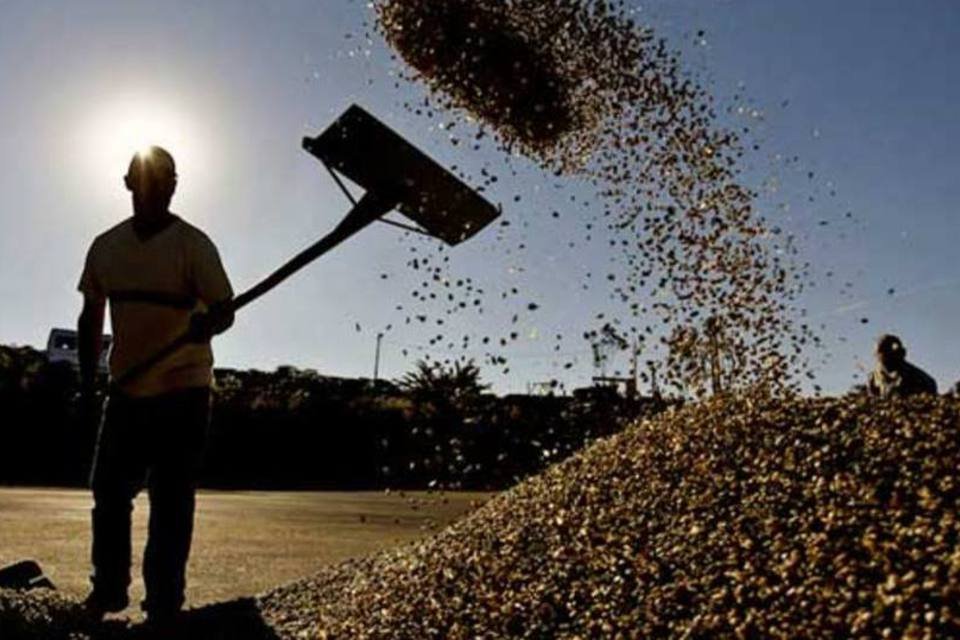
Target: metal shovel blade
<point>377,159</point>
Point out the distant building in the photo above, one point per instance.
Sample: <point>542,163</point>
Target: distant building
<point>597,394</point>
<point>63,345</point>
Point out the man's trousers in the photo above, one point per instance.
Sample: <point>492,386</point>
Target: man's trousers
<point>155,442</point>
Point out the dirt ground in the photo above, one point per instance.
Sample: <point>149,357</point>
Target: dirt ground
<point>244,542</point>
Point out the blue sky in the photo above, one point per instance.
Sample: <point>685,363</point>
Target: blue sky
<point>863,92</point>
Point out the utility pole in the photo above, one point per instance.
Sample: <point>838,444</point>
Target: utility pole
<point>376,360</point>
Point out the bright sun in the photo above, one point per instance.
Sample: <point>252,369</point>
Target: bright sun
<point>119,129</point>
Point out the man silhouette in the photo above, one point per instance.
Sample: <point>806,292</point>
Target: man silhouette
<point>894,376</point>
<point>161,276</point>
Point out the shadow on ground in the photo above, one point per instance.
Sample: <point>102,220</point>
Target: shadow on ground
<point>46,616</point>
<point>238,619</point>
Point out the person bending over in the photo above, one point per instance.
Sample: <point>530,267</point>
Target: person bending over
<point>894,376</point>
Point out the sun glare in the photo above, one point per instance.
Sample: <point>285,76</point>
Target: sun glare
<point>119,130</point>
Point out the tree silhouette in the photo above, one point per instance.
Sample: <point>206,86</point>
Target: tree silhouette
<point>457,387</point>
<point>444,400</point>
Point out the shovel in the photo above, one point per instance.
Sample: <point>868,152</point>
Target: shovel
<point>395,176</point>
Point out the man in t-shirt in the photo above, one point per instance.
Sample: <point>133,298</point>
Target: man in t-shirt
<point>893,376</point>
<point>162,277</point>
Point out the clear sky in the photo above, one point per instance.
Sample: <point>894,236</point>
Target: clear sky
<point>863,92</point>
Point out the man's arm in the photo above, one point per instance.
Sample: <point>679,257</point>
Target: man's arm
<point>927,383</point>
<point>873,389</point>
<point>90,330</point>
<point>213,288</point>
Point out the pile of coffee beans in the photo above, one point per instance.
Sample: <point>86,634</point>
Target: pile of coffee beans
<point>806,518</point>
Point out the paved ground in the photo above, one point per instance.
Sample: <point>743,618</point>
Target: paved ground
<point>244,542</point>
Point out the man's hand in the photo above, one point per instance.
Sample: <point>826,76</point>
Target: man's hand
<point>90,404</point>
<point>217,319</point>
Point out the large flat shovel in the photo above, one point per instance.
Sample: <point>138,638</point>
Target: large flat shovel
<point>395,175</point>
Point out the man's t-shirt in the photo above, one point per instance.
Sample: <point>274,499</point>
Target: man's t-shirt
<point>907,380</point>
<point>154,286</point>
